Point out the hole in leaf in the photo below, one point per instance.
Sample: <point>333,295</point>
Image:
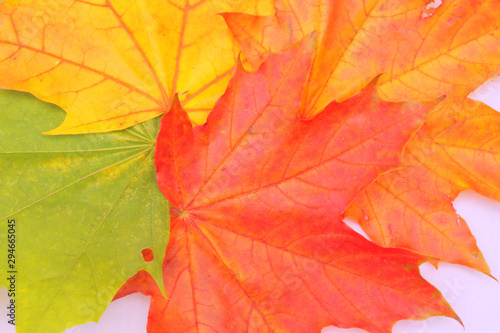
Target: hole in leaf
<point>147,255</point>
<point>430,9</point>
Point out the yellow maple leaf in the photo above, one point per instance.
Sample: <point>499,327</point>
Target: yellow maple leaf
<point>111,64</point>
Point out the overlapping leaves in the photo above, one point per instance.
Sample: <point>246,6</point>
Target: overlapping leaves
<point>421,57</point>
<point>257,243</point>
<point>456,150</point>
<point>422,54</point>
<point>256,239</point>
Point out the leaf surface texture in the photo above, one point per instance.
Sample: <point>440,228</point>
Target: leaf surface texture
<point>85,207</point>
<point>256,240</point>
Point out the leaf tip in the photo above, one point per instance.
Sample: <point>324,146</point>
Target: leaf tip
<point>176,101</point>
<point>59,130</point>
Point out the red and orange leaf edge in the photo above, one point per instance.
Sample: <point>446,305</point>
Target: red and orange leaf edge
<point>335,108</point>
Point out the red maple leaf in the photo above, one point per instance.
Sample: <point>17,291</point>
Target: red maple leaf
<point>256,241</point>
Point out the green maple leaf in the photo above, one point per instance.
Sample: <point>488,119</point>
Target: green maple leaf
<point>84,206</point>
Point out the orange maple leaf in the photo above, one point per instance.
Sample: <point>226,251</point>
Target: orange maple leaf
<point>457,149</point>
<point>112,64</point>
<point>420,56</point>
<point>256,241</point>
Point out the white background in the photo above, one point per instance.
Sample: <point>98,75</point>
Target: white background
<point>474,296</point>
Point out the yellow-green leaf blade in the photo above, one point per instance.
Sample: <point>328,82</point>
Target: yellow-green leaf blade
<point>85,207</point>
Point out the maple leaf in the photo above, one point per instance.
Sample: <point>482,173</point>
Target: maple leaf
<point>112,64</point>
<point>457,149</point>
<point>420,57</point>
<point>85,208</point>
<point>256,239</point>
